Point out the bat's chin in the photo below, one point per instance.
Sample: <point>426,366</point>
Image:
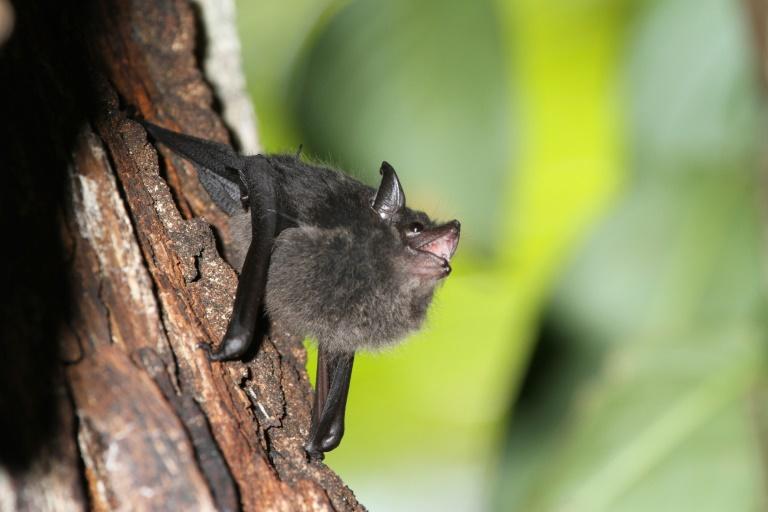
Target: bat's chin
<point>436,247</point>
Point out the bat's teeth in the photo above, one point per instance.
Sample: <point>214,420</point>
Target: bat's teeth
<point>442,248</point>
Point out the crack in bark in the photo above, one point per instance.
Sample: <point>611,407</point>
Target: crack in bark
<point>207,453</point>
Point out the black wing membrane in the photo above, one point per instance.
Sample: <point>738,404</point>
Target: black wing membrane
<point>256,175</point>
<point>220,165</point>
<point>213,156</point>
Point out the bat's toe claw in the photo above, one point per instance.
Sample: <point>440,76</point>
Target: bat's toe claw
<point>230,348</point>
<point>210,354</point>
<point>314,453</point>
<point>317,447</point>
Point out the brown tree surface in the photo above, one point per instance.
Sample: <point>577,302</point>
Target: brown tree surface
<point>112,278</point>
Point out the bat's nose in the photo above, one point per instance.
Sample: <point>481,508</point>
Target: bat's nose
<point>453,240</point>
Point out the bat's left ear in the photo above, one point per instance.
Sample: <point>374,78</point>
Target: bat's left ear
<point>390,197</point>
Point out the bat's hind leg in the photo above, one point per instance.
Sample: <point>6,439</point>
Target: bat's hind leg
<point>333,375</point>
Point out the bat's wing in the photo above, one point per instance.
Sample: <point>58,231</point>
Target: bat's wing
<point>256,176</point>
<point>220,163</point>
<point>214,156</point>
<point>332,388</point>
<point>262,197</point>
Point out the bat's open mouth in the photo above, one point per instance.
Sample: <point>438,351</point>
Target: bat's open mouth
<point>440,242</point>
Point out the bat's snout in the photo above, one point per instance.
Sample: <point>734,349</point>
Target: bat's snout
<point>439,244</point>
<point>443,240</point>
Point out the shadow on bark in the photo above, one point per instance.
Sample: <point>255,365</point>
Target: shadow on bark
<point>44,103</point>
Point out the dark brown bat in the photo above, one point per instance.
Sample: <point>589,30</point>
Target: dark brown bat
<point>326,256</point>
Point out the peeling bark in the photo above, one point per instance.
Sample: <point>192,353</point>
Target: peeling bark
<point>111,306</point>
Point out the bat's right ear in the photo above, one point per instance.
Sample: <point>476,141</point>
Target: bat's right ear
<point>390,197</point>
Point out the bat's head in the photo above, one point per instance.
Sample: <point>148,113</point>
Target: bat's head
<point>429,246</point>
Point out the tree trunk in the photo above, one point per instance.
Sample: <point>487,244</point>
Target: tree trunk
<point>113,278</point>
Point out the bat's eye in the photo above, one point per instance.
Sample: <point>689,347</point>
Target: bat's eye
<point>416,227</point>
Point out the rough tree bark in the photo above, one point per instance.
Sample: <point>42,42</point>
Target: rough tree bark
<point>112,277</point>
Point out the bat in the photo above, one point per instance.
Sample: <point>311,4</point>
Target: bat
<point>326,256</point>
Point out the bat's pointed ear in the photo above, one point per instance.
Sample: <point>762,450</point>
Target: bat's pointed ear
<point>390,197</point>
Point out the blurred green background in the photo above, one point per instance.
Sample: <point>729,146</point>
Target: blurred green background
<point>600,344</point>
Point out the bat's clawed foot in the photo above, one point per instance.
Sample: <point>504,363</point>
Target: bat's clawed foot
<point>231,348</point>
<point>210,353</point>
<point>317,446</point>
<point>314,454</point>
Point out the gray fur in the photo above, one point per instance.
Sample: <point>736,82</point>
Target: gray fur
<point>338,288</point>
<point>240,232</point>
<point>334,287</point>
